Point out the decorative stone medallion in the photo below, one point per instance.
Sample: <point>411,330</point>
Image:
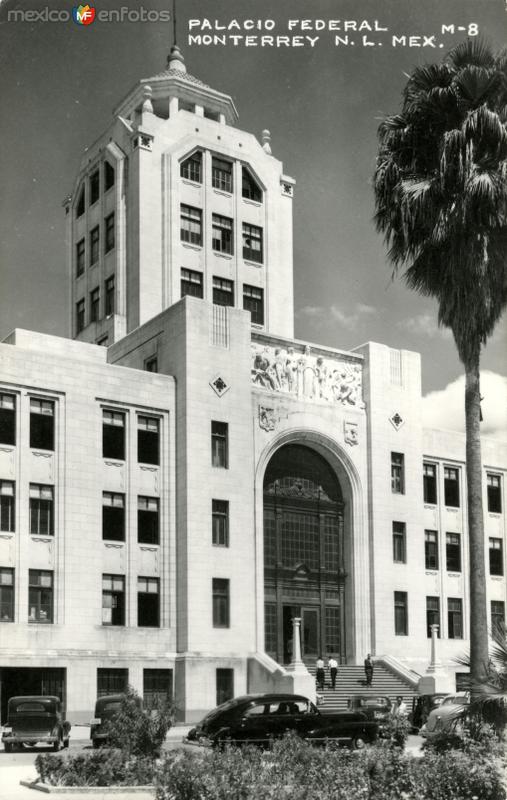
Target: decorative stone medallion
<point>219,386</point>
<point>396,421</point>
<point>267,418</point>
<point>350,433</point>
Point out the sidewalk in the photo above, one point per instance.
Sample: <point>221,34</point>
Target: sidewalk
<point>81,733</point>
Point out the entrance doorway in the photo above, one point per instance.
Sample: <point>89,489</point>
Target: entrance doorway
<point>25,681</point>
<point>310,631</point>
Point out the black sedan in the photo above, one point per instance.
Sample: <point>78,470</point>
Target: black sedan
<point>259,719</point>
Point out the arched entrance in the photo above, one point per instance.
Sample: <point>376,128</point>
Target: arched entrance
<point>304,572</point>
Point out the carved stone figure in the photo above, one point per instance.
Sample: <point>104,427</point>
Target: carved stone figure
<point>350,433</point>
<point>267,419</point>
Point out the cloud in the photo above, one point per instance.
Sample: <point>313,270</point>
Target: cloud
<point>347,319</point>
<point>424,325</point>
<point>445,409</point>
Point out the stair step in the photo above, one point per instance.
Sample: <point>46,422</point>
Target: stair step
<point>350,680</point>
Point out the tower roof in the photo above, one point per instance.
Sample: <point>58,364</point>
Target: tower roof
<point>176,69</point>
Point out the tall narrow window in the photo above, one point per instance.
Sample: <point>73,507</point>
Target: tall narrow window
<point>42,424</point>
<point>454,618</point>
<point>7,506</point>
<point>94,187</point>
<point>222,237</point>
<point>451,487</point>
<point>41,510</point>
<point>109,238</point>
<point>453,552</point>
<point>94,245</point>
<point>431,549</point>
<point>397,473</point>
<point>400,614</point>
<point>223,292</point>
<point>430,483</point>
<point>6,594</point>
<point>220,523</point>
<point>221,174</point>
<point>113,516</point>
<point>109,304</point>
<point>497,614</point>
<point>494,493</point>
<point>253,301</point>
<point>113,600</point>
<point>108,176</point>
<point>80,316</point>
<point>399,543</point>
<point>252,243</point>
<point>250,189</point>
<point>225,685</point>
<point>80,207</point>
<point>7,418</point>
<point>495,557</point>
<point>95,305</point>
<point>148,603</point>
<point>148,440</point>
<point>80,257</point>
<point>191,225</point>
<point>220,444</point>
<point>147,520</point>
<point>432,615</point>
<point>191,167</point>
<point>221,603</point>
<point>151,364</point>
<point>40,596</point>
<point>113,435</point>
<point>191,283</point>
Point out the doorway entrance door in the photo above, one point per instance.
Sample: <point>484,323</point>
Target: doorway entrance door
<point>310,630</point>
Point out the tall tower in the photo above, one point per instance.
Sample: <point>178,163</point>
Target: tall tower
<point>173,200</point>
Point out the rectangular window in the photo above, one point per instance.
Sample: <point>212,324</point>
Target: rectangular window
<point>220,603</point>
<point>252,243</point>
<point>113,435</point>
<point>220,444</point>
<point>223,292</point>
<point>95,305</point>
<point>270,628</point>
<point>94,187</point>
<point>109,238</point>
<point>40,596</point>
<point>225,685</point>
<point>497,614</point>
<point>109,304</point>
<point>148,603</point>
<point>430,483</point>
<point>147,440</point>
<point>455,618</point>
<point>191,168</point>
<point>191,225</point>
<point>453,552</point>
<point>221,174</point>
<point>400,614</point>
<point>397,473</point>
<point>80,316</point>
<point>42,429</point>
<point>41,510</point>
<point>249,187</point>
<point>113,600</point>
<point>494,493</point>
<point>191,283</point>
<point>222,234</point>
<point>147,520</point>
<point>399,543</point>
<point>94,245</point>
<point>451,487</point>
<point>151,364</point>
<point>80,257</point>
<point>220,522</point>
<point>7,506</point>
<point>6,594</point>
<point>113,516</point>
<point>157,688</point>
<point>431,549</point>
<point>432,615</point>
<point>7,419</point>
<point>253,301</point>
<point>108,176</point>
<point>112,681</point>
<point>495,557</point>
<point>80,207</point>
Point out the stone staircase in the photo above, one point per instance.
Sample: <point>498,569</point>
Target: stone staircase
<point>350,680</point>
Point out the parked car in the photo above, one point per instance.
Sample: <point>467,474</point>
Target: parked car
<point>105,709</point>
<point>35,719</point>
<point>258,719</point>
<point>448,716</point>
<point>374,707</point>
<point>422,706</point>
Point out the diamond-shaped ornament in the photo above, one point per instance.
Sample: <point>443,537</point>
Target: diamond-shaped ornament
<point>396,421</point>
<point>219,385</point>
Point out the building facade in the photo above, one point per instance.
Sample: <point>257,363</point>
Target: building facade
<point>172,500</point>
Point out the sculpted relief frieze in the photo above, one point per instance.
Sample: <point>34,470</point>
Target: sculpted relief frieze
<point>307,376</point>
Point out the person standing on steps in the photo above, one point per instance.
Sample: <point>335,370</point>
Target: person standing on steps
<point>320,673</point>
<point>368,669</point>
<point>333,670</point>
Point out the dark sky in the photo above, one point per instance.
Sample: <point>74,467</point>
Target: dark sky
<point>60,81</point>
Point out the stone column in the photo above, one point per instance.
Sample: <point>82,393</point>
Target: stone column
<point>301,682</point>
<point>434,664</point>
<point>296,662</point>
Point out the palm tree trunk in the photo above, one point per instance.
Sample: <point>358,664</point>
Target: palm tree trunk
<point>478,608</point>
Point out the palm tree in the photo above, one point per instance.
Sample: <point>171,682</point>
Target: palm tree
<point>441,202</point>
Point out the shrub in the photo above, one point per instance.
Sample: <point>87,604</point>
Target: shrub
<point>460,775</point>
<point>101,768</point>
<point>137,732</point>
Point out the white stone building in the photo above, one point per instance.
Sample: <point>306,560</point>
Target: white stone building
<point>170,502</point>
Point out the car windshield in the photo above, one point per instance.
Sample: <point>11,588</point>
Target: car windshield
<point>376,701</point>
<point>456,700</point>
<point>23,707</point>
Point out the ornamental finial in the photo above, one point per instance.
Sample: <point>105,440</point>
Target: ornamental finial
<point>266,139</point>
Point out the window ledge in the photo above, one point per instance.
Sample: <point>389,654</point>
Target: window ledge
<point>36,537</point>
<point>222,192</point>
<point>7,448</point>
<point>7,534</point>
<point>454,574</point>
<point>114,463</point>
<point>431,572</point>
<point>256,203</point>
<point>495,514</point>
<point>189,182</point>
<point>151,548</point>
<point>149,467</point>
<point>114,544</point>
<point>431,506</point>
<point>189,246</point>
<point>43,453</point>
<point>453,509</point>
<point>227,256</point>
<point>253,263</point>
<point>496,577</point>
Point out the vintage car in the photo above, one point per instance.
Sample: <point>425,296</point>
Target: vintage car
<point>105,709</point>
<point>422,706</point>
<point>378,707</point>
<point>448,717</point>
<point>259,719</point>
<point>35,719</point>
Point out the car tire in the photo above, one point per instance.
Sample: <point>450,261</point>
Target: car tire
<point>358,742</point>
<point>66,743</point>
<point>57,746</point>
<point>8,747</point>
<point>95,744</point>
